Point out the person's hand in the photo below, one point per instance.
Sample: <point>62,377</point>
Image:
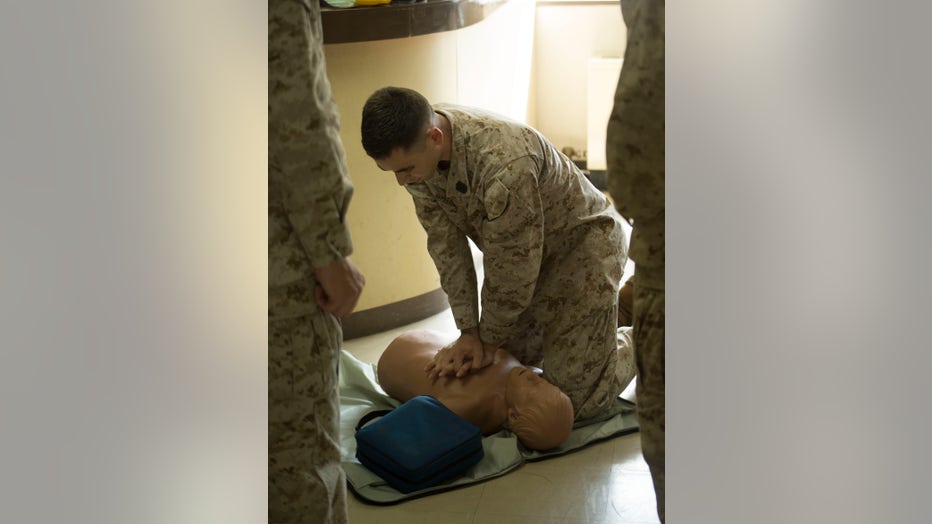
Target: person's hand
<point>462,356</point>
<point>339,285</point>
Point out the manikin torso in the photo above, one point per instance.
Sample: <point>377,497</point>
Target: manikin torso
<point>478,397</point>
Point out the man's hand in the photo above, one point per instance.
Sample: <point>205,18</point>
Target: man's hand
<point>464,355</point>
<point>339,285</point>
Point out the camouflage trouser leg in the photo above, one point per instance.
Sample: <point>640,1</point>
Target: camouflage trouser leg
<point>306,481</point>
<point>649,351</point>
<point>581,358</point>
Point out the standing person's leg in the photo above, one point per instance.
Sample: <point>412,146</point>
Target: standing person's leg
<point>649,318</point>
<point>636,159</point>
<point>306,481</point>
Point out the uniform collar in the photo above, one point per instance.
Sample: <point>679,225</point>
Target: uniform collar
<point>454,179</point>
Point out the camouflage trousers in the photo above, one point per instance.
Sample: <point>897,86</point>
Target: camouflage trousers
<point>649,314</point>
<point>306,481</point>
<point>590,360</point>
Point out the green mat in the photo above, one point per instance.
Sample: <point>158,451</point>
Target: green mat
<point>361,393</point>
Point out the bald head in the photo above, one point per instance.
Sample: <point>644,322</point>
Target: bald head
<point>541,416</point>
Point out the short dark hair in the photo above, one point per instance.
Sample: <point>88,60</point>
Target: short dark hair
<point>394,117</point>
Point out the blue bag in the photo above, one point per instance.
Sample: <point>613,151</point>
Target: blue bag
<point>417,445</point>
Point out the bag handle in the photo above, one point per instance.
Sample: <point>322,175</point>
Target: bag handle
<point>371,415</point>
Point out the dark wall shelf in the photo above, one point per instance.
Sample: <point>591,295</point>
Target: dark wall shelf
<point>382,22</point>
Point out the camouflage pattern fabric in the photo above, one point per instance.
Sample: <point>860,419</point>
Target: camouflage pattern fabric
<point>649,353</point>
<point>589,375</point>
<point>306,482</point>
<point>627,367</point>
<point>635,156</point>
<point>635,140</point>
<point>309,192</point>
<point>553,251</point>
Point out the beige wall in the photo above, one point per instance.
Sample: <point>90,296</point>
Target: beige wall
<point>566,35</point>
<point>487,64</point>
<point>494,60</point>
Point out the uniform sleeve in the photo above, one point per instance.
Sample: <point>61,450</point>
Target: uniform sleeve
<point>450,251</point>
<point>307,166</point>
<point>513,243</point>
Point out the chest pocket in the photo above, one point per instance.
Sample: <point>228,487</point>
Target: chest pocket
<point>495,200</point>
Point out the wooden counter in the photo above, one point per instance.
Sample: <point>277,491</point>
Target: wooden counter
<point>400,20</point>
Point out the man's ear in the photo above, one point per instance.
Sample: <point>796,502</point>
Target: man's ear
<point>435,134</point>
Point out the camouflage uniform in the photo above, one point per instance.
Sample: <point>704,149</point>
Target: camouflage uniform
<point>553,250</point>
<point>635,156</point>
<point>309,192</point>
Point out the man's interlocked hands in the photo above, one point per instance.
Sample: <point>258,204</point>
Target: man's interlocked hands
<point>464,355</point>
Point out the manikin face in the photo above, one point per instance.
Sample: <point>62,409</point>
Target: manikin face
<point>521,389</point>
<point>417,163</point>
<point>538,413</point>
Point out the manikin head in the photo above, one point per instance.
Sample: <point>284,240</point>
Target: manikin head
<point>401,132</point>
<point>539,414</point>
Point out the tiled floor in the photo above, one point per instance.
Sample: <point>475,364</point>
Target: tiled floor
<point>606,483</point>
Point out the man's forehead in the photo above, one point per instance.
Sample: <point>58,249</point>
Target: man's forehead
<point>394,166</point>
<point>389,163</point>
<point>397,158</point>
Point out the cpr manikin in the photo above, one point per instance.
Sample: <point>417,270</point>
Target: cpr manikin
<point>538,413</point>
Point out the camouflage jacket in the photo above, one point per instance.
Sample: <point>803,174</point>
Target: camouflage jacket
<point>309,190</point>
<point>552,244</point>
